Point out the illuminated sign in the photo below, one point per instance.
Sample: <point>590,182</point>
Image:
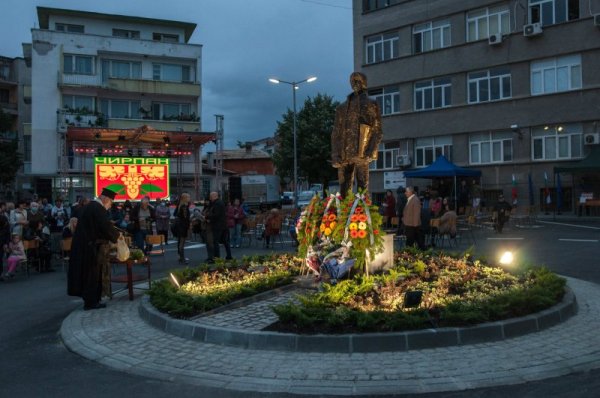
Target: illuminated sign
<point>132,178</point>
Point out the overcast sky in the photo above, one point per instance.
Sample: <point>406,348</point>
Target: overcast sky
<point>244,43</point>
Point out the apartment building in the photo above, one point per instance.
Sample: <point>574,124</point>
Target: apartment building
<point>97,76</point>
<point>507,87</point>
<point>15,102</point>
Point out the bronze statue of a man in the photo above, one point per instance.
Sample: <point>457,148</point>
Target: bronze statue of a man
<point>356,135</point>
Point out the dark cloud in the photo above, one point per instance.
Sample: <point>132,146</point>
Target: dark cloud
<point>244,43</point>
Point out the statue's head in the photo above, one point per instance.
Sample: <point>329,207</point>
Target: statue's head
<point>358,82</point>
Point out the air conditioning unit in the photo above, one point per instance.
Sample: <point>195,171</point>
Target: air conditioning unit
<point>533,29</point>
<point>591,139</point>
<point>403,160</point>
<point>597,20</point>
<point>495,39</point>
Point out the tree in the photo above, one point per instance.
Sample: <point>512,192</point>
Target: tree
<point>10,158</point>
<point>314,124</point>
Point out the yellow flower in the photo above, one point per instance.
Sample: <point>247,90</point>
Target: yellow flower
<point>322,227</point>
<point>353,226</point>
<point>332,224</point>
<point>327,231</point>
<point>362,225</point>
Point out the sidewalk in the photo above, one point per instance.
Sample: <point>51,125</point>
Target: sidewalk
<point>118,338</point>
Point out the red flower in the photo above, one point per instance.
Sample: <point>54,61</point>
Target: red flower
<point>354,218</point>
<point>354,234</point>
<point>376,232</point>
<point>358,210</point>
<point>362,233</point>
<point>362,218</point>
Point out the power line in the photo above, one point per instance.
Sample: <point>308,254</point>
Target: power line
<point>326,4</point>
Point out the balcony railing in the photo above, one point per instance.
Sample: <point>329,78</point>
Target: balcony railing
<point>175,125</point>
<point>69,79</point>
<point>69,118</point>
<point>191,89</point>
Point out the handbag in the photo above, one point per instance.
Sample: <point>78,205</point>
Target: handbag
<point>122,249</point>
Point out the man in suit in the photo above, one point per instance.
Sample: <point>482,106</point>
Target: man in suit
<point>411,217</point>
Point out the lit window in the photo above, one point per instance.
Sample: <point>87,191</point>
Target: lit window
<point>557,142</point>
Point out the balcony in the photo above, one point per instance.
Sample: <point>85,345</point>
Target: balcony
<point>188,89</point>
<point>66,118</point>
<point>164,125</point>
<point>70,79</point>
<point>27,93</point>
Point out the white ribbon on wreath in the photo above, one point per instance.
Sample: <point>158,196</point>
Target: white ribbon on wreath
<point>360,197</point>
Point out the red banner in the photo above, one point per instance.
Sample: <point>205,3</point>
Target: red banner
<point>132,178</point>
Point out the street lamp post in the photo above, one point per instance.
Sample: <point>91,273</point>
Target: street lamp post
<point>294,88</point>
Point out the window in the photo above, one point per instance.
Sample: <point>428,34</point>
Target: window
<point>433,94</point>
<point>491,147</point>
<point>371,5</point>
<point>78,102</point>
<point>122,109</point>
<point>129,34</point>
<point>78,64</point>
<point>427,150</point>
<point>381,47</point>
<point>483,23</point>
<point>4,96</point>
<point>170,110</point>
<point>489,85</point>
<point>4,72</point>
<point>431,35</point>
<point>549,12</point>
<point>65,27</point>
<point>388,99</point>
<point>386,156</point>
<point>169,38</point>
<point>27,148</point>
<point>557,142</point>
<point>121,69</point>
<point>169,72</point>
<point>556,74</point>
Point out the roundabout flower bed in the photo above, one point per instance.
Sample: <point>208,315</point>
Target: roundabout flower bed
<point>208,287</point>
<point>456,291</point>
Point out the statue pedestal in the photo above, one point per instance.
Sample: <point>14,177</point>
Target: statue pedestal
<point>384,260</point>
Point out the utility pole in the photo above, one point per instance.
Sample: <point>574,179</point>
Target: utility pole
<point>219,154</point>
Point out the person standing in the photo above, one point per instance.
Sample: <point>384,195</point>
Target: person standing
<point>142,217</point>
<point>400,204</point>
<point>389,205</point>
<point>215,216</point>
<point>18,218</point>
<point>59,215</point>
<point>502,212</point>
<point>94,229</point>
<point>163,215</point>
<point>235,218</point>
<point>411,217</point>
<point>356,135</point>
<point>182,225</point>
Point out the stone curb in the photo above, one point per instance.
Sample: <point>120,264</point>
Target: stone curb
<point>361,343</point>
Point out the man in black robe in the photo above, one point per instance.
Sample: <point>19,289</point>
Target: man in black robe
<point>85,267</point>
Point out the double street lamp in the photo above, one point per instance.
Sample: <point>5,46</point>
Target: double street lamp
<point>294,88</point>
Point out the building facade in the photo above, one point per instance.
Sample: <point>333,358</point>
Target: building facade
<point>15,101</point>
<point>507,87</point>
<point>92,70</point>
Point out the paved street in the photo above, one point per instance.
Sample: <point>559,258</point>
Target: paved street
<point>36,363</point>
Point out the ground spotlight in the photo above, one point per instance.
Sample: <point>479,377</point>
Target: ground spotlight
<point>175,281</point>
<point>413,298</point>
<point>507,258</point>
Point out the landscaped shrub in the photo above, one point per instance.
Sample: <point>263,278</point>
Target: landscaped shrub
<point>457,291</point>
<point>210,286</point>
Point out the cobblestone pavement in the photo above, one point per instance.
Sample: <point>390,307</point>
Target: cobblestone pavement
<point>255,316</point>
<point>118,338</point>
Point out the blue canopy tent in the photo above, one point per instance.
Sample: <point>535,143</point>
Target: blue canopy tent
<point>442,167</point>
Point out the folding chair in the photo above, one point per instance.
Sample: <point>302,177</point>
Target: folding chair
<point>65,252</point>
<point>156,240</point>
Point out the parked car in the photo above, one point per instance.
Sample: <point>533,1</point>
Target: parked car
<point>287,198</point>
<point>304,198</point>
